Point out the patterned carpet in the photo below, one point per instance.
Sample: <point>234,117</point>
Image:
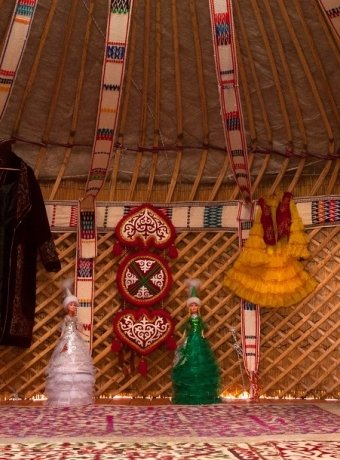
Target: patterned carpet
<point>227,431</point>
<point>107,450</point>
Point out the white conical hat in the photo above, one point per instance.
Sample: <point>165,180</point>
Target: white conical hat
<point>69,297</point>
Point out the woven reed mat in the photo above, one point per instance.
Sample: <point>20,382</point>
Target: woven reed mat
<point>222,431</point>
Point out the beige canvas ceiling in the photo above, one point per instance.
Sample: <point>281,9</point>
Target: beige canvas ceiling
<point>170,126</point>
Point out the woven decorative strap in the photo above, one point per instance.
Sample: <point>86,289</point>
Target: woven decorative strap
<point>111,89</point>
<point>331,8</point>
<point>87,234</point>
<point>223,34</point>
<point>110,93</point>
<point>84,289</point>
<point>250,313</point>
<point>317,211</point>
<point>14,47</point>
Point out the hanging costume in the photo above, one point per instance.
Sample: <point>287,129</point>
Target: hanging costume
<point>268,271</point>
<point>24,230</point>
<point>70,372</point>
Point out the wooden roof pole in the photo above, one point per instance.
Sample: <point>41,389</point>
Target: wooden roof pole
<point>274,71</point>
<point>157,105</point>
<point>324,80</point>
<point>334,177</point>
<point>58,84</point>
<point>252,69</point>
<point>261,173</point>
<point>309,76</point>
<point>244,89</point>
<point>31,79</point>
<point>220,178</point>
<point>144,98</point>
<point>297,175</point>
<point>322,177</point>
<point>286,71</point>
<point>330,35</point>
<point>203,99</point>
<point>279,176</point>
<point>179,109</point>
<point>2,42</point>
<point>76,106</point>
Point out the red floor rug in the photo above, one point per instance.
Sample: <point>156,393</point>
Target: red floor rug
<point>246,431</point>
<point>178,422</point>
<point>107,450</point>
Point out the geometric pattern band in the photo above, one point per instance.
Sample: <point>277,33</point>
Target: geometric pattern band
<point>317,211</point>
<point>250,313</point>
<point>331,9</point>
<point>84,273</point>
<point>84,291</point>
<point>87,233</point>
<point>107,115</point>
<point>14,47</point>
<point>110,94</point>
<point>224,43</point>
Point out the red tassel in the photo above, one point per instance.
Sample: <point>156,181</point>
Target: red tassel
<point>116,346</point>
<point>171,344</point>
<point>143,367</point>
<point>117,249</point>
<point>172,252</point>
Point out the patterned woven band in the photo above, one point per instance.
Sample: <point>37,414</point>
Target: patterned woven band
<point>111,88</point>
<point>317,211</point>
<point>331,8</point>
<point>250,313</point>
<point>14,47</point>
<point>223,34</point>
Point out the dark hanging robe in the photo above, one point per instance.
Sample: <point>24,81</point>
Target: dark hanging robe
<point>24,231</point>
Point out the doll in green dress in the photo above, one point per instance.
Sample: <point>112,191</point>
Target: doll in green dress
<point>195,373</point>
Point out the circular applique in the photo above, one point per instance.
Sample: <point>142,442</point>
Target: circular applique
<point>143,278</point>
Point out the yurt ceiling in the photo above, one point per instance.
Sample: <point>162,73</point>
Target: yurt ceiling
<point>170,130</point>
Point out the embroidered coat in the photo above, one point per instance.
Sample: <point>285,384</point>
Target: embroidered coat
<point>24,232</point>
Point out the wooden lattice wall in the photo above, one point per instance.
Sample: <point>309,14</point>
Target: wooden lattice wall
<point>299,345</point>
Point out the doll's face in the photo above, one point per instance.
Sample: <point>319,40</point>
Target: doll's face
<point>194,307</point>
<point>72,308</point>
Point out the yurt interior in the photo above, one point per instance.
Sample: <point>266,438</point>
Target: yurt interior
<point>169,230</point>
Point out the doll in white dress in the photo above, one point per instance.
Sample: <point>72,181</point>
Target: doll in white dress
<point>70,372</point>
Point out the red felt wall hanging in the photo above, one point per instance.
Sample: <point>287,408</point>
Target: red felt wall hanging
<point>143,331</point>
<point>144,278</point>
<point>145,227</point>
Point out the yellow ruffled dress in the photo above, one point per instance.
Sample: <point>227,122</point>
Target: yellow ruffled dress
<point>270,273</point>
